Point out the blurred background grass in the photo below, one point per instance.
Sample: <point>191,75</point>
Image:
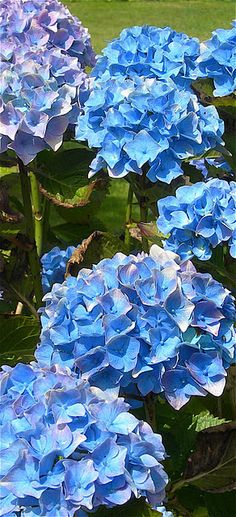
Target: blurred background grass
<point>106,18</point>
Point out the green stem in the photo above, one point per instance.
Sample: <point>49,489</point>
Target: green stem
<point>23,300</point>
<point>128,217</point>
<point>32,254</point>
<point>37,214</point>
<point>46,215</point>
<point>150,411</point>
<point>143,219</point>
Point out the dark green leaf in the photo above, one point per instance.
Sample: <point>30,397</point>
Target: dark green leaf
<point>64,181</point>
<point>135,508</point>
<point>97,246</point>
<point>221,505</point>
<point>18,339</point>
<point>212,466</point>
<point>73,234</point>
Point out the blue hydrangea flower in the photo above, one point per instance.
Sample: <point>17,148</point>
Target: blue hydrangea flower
<point>43,52</point>
<point>43,23</point>
<point>198,218</point>
<point>54,266</point>
<point>145,323</point>
<point>217,60</point>
<point>151,52</point>
<point>146,122</point>
<point>67,448</point>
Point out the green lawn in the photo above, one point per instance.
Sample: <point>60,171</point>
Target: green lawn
<point>105,19</point>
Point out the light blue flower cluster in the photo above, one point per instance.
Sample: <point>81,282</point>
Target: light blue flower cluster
<point>42,83</point>
<point>198,218</point>
<point>67,448</point>
<point>151,52</point>
<point>43,23</point>
<point>54,266</point>
<point>145,122</point>
<point>218,61</point>
<point>147,323</point>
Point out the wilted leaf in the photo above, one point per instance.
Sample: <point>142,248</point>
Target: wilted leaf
<point>97,246</point>
<point>18,339</point>
<point>212,466</point>
<point>150,231</point>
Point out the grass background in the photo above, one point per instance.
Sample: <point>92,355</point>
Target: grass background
<point>105,19</point>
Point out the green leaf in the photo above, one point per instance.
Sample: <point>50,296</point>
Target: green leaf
<point>200,512</point>
<point>97,246</point>
<point>5,171</point>
<point>135,508</point>
<point>205,420</point>
<point>19,336</point>
<point>63,177</point>
<point>221,505</point>
<point>73,234</point>
<point>212,466</point>
<point>216,505</point>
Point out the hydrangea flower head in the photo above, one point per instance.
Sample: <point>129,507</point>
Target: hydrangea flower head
<point>67,448</point>
<point>43,53</point>
<point>54,266</point>
<point>41,96</point>
<point>199,218</point>
<point>146,122</point>
<point>147,323</point>
<point>217,60</point>
<point>43,23</point>
<point>151,52</point>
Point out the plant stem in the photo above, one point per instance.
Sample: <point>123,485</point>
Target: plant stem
<point>150,411</point>
<point>128,216</point>
<point>46,215</point>
<point>32,254</point>
<point>38,218</point>
<point>143,219</point>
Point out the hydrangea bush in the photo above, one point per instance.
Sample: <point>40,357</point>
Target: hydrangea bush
<point>66,447</point>
<point>142,122</point>
<point>146,320</point>
<point>144,326</point>
<point>199,218</point>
